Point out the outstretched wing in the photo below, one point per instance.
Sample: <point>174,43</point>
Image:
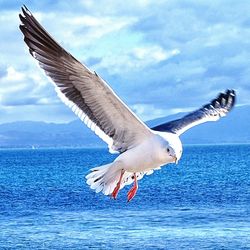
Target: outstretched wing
<point>82,90</point>
<point>213,111</point>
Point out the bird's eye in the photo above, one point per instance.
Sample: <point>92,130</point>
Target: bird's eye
<point>168,150</point>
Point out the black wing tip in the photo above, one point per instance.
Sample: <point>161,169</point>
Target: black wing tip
<point>231,93</point>
<point>228,92</point>
<point>225,99</point>
<point>24,15</point>
<point>22,29</point>
<point>25,10</point>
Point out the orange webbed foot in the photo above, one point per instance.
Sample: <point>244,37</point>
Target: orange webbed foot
<point>133,190</point>
<point>118,185</point>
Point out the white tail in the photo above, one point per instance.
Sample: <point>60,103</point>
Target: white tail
<point>104,178</point>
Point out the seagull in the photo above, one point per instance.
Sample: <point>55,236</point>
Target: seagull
<point>141,149</point>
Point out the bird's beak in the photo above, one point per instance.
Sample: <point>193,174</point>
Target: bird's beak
<point>175,160</point>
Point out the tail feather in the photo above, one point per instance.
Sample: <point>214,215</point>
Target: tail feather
<point>104,178</point>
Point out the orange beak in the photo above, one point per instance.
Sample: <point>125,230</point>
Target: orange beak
<point>175,160</point>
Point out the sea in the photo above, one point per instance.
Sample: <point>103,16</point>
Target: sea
<point>201,203</point>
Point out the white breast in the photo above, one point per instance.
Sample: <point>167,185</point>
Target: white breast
<point>150,154</point>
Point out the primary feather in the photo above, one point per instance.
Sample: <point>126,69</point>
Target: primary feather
<point>88,95</point>
<point>212,111</point>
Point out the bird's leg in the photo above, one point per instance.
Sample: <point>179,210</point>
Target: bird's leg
<point>133,190</point>
<point>118,185</point>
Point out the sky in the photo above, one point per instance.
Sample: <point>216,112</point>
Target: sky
<point>160,57</point>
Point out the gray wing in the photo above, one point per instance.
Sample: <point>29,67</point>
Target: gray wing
<point>90,98</point>
<point>213,111</point>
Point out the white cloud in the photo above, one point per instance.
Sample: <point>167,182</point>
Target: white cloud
<point>135,59</point>
<point>148,111</point>
<point>79,31</point>
<point>180,53</point>
<point>21,88</point>
<point>153,53</point>
<point>13,75</point>
<point>221,33</point>
<point>12,81</point>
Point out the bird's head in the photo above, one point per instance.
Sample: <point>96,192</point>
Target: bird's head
<point>174,153</point>
<point>173,148</point>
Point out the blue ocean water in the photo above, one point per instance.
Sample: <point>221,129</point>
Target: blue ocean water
<point>201,203</point>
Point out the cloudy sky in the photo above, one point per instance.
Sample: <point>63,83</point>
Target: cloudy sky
<point>161,57</point>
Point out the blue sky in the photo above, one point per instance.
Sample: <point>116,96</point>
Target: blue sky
<point>161,57</point>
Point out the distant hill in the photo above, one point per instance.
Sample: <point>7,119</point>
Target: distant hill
<point>232,129</point>
<point>29,134</point>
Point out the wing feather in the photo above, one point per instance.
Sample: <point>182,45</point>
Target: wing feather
<point>89,96</point>
<point>213,111</point>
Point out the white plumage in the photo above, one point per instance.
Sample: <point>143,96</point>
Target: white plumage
<point>142,150</point>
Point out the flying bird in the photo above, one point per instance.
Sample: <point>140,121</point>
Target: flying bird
<point>141,149</point>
